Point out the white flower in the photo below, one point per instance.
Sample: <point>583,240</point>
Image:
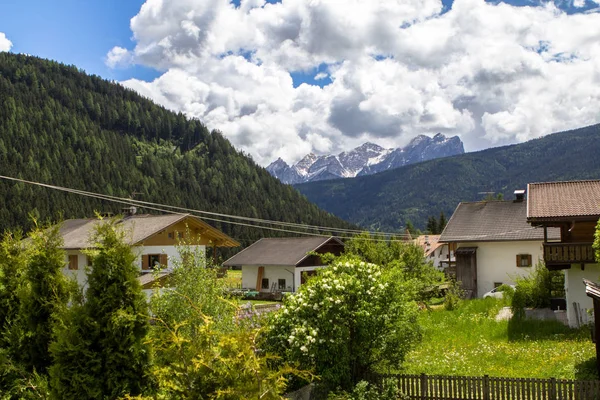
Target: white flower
<point>303,349</point>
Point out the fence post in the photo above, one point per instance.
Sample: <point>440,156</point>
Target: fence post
<point>486,387</point>
<point>423,386</point>
<point>552,389</point>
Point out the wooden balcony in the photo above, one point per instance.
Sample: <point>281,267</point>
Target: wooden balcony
<point>561,255</point>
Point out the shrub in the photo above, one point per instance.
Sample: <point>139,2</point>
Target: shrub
<point>454,296</point>
<point>534,290</point>
<point>201,352</point>
<point>387,390</point>
<point>345,323</point>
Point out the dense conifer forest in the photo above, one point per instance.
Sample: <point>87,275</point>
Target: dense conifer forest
<point>391,199</point>
<point>61,126</point>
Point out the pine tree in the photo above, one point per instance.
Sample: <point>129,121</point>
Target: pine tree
<point>100,351</point>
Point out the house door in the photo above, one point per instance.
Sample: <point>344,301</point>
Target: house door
<point>466,270</point>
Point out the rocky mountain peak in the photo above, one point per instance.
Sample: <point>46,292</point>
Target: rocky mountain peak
<point>366,159</point>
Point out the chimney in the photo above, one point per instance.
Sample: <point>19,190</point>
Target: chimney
<point>519,195</point>
<point>129,211</point>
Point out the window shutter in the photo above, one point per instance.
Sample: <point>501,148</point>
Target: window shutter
<point>518,260</point>
<point>73,261</point>
<point>146,261</point>
<point>529,260</point>
<point>163,260</point>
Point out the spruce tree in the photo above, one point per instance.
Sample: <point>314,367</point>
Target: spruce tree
<point>46,292</point>
<point>13,263</point>
<point>100,351</point>
<point>432,225</point>
<point>442,223</point>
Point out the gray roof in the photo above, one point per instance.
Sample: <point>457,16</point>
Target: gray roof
<point>487,221</point>
<point>278,251</point>
<point>77,233</point>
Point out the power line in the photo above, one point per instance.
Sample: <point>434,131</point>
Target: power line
<point>161,207</point>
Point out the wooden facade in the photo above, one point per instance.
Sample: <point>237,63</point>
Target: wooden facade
<point>575,245</point>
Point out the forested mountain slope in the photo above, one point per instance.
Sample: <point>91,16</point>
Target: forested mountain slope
<point>389,199</point>
<point>61,126</point>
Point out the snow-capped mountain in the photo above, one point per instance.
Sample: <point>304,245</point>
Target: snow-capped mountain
<point>366,159</point>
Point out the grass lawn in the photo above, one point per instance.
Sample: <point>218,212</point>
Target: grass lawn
<point>233,279</point>
<point>468,341</point>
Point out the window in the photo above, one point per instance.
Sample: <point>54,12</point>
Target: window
<point>265,283</point>
<point>153,261</point>
<point>73,265</point>
<point>281,284</point>
<point>523,260</point>
<point>497,284</point>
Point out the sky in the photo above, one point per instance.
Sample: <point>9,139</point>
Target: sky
<point>282,79</point>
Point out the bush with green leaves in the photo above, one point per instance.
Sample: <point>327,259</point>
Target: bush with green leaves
<point>201,349</point>
<point>349,321</point>
<point>387,390</point>
<point>454,295</point>
<point>406,259</point>
<point>534,290</point>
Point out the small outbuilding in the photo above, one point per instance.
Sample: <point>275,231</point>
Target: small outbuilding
<point>282,264</point>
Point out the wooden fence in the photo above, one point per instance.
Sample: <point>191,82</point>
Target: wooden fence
<point>424,387</point>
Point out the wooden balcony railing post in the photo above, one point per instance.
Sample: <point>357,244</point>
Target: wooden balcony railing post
<point>423,386</point>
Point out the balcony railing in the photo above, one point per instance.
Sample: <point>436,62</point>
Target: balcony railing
<point>568,253</point>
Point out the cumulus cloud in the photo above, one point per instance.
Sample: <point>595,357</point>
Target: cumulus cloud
<point>491,73</point>
<point>118,57</point>
<point>5,44</point>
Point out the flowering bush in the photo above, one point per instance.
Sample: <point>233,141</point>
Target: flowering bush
<point>345,323</point>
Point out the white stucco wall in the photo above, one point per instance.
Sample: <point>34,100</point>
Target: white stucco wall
<point>291,275</point>
<point>496,262</point>
<point>575,292</point>
<point>438,255</point>
<point>81,276</point>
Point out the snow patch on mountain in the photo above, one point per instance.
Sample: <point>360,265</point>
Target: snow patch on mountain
<point>367,159</point>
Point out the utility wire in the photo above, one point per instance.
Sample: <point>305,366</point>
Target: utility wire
<point>160,207</point>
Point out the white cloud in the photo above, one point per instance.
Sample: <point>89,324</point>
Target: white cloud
<point>118,57</point>
<point>5,44</point>
<point>494,74</point>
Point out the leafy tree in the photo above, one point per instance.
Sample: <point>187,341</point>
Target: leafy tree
<point>346,323</point>
<point>410,228</point>
<point>404,259</point>
<point>101,349</point>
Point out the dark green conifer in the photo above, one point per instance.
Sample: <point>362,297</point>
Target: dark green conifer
<point>100,350</point>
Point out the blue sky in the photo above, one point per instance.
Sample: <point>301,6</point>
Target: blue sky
<point>81,32</point>
<point>78,32</point>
